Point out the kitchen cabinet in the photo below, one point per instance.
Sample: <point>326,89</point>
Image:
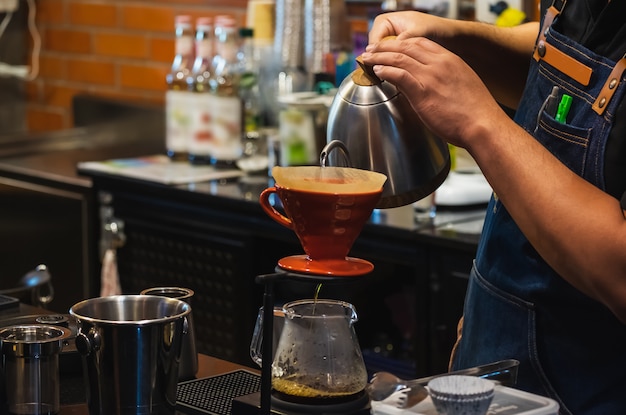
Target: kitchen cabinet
<point>214,238</point>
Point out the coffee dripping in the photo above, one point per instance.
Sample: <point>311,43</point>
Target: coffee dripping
<point>317,366</point>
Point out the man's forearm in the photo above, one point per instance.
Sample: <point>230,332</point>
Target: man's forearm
<point>499,55</point>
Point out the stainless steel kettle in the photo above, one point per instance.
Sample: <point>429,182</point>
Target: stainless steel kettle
<point>377,127</point>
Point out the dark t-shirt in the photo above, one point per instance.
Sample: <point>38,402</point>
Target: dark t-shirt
<point>601,26</point>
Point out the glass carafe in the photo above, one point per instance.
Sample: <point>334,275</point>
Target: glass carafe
<point>318,358</point>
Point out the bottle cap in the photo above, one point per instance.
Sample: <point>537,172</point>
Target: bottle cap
<point>183,20</point>
<point>246,32</point>
<point>225,21</point>
<point>204,22</point>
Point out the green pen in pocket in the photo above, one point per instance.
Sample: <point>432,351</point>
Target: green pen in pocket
<point>563,109</point>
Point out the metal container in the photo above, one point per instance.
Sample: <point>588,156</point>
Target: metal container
<point>131,346</point>
<point>188,366</point>
<point>381,132</point>
<point>30,368</point>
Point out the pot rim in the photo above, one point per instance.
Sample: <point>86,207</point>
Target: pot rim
<point>77,310</point>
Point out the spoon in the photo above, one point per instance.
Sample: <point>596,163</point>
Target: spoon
<point>386,387</point>
<point>34,288</point>
<point>384,384</point>
<point>406,398</point>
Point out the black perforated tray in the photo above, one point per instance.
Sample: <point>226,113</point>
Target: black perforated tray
<point>214,395</point>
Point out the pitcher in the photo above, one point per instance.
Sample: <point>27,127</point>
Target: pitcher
<point>318,359</point>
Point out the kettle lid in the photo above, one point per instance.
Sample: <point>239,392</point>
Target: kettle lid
<point>355,92</point>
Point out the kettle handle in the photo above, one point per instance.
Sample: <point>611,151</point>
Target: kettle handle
<point>330,146</point>
<point>264,200</point>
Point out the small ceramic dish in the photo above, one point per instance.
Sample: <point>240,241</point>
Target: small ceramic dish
<point>461,395</point>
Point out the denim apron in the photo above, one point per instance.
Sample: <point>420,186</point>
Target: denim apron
<point>571,348</point>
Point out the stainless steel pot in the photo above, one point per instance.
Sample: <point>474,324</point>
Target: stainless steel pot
<point>378,128</point>
<point>131,347</point>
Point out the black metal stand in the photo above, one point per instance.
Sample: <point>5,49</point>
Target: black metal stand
<point>268,281</point>
<point>268,329</point>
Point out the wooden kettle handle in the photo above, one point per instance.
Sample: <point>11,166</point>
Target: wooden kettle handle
<point>364,75</point>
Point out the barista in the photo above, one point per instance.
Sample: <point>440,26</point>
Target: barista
<point>549,282</point>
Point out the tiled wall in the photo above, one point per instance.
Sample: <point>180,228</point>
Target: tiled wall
<point>114,48</point>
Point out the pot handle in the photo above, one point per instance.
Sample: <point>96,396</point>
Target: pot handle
<point>332,145</point>
<point>88,343</point>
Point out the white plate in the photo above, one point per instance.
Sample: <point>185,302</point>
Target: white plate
<point>507,401</point>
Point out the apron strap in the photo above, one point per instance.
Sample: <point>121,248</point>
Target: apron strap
<point>603,99</point>
<point>559,4</point>
<point>552,56</point>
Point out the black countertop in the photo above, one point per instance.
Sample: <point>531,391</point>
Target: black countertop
<point>459,227</point>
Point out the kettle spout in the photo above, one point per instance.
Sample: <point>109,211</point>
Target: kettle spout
<point>329,147</point>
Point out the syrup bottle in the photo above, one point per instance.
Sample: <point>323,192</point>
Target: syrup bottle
<point>227,123</point>
<point>177,97</point>
<point>201,133</point>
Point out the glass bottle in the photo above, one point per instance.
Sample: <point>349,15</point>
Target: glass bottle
<point>248,84</point>
<point>255,156</point>
<point>177,97</point>
<point>227,123</point>
<point>198,82</point>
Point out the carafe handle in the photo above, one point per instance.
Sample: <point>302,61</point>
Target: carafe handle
<point>256,344</point>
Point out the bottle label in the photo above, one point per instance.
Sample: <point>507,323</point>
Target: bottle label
<point>201,132</point>
<point>177,120</point>
<point>226,126</point>
<point>183,46</point>
<point>227,51</point>
<point>297,137</point>
<point>204,48</point>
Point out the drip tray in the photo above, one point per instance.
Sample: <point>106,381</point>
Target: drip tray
<point>214,395</point>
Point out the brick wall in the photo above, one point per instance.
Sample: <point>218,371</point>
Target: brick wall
<point>114,48</point>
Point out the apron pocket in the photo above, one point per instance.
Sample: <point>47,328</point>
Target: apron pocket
<point>567,142</point>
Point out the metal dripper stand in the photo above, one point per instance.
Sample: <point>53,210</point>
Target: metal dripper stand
<point>268,280</point>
